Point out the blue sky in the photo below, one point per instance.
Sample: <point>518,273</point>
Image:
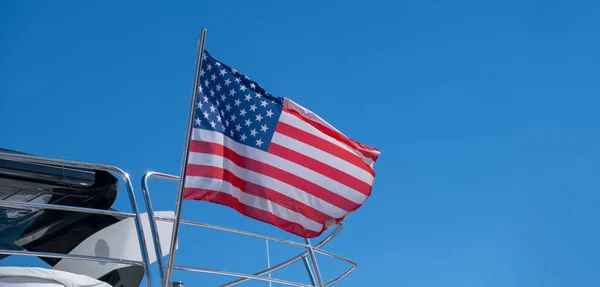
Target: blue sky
<point>486,113</point>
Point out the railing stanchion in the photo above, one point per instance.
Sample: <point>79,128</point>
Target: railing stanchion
<point>313,258</point>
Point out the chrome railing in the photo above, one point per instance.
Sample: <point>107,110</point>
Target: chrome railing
<point>75,164</point>
<point>309,253</point>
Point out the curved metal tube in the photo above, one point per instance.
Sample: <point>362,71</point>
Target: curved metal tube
<point>325,240</point>
<point>236,231</point>
<point>12,203</point>
<point>326,253</point>
<point>228,273</point>
<point>114,169</point>
<point>336,280</point>
<point>151,218</point>
<point>72,256</point>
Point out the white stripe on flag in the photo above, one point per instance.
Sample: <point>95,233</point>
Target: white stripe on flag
<point>324,157</point>
<point>294,168</point>
<point>251,200</point>
<point>294,121</point>
<point>268,182</point>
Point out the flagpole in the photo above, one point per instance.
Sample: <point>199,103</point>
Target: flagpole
<point>178,202</point>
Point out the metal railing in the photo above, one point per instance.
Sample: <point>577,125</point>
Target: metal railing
<point>310,249</point>
<point>75,164</point>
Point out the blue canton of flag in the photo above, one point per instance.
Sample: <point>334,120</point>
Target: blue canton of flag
<point>232,104</point>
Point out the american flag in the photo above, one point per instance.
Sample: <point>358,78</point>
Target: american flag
<point>270,158</point>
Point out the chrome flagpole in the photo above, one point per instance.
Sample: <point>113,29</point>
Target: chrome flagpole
<point>179,203</point>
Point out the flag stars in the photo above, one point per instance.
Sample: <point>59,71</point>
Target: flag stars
<point>235,106</point>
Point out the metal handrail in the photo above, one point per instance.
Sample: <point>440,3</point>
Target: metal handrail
<point>303,255</point>
<point>326,253</point>
<point>237,231</point>
<point>235,274</point>
<point>152,219</point>
<point>244,277</point>
<point>73,256</point>
<point>75,164</point>
<point>13,203</point>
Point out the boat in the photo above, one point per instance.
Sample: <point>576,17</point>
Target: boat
<point>62,212</point>
<point>29,225</point>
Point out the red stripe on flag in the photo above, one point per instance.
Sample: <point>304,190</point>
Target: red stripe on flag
<point>257,190</point>
<point>274,172</point>
<point>323,145</point>
<point>365,150</point>
<point>321,168</point>
<point>264,216</point>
